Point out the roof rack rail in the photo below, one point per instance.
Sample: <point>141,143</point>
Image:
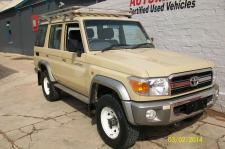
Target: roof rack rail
<point>84,10</point>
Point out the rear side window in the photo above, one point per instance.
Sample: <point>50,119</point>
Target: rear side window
<point>40,38</point>
<point>55,37</point>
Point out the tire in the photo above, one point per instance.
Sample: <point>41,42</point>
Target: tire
<point>124,134</point>
<point>50,92</point>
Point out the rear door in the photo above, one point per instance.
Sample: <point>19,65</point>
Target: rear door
<point>54,48</point>
<point>40,43</point>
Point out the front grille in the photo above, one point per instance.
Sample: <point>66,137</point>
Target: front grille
<point>193,106</point>
<point>190,81</point>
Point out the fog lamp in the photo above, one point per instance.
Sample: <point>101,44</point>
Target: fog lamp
<point>150,114</point>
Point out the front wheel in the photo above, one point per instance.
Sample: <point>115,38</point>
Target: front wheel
<point>112,124</point>
<point>50,92</point>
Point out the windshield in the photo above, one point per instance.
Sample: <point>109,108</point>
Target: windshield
<point>115,34</point>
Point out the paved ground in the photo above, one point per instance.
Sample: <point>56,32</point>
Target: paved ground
<point>27,120</point>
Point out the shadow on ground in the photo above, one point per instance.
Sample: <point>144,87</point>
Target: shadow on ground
<point>5,71</point>
<point>146,132</point>
<point>79,106</point>
<point>157,132</point>
<point>75,103</point>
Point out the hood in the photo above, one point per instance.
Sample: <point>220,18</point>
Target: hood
<point>148,62</point>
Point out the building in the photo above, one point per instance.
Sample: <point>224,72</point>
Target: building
<point>194,27</point>
<point>16,32</point>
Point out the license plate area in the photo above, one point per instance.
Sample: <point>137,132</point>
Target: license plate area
<point>192,106</point>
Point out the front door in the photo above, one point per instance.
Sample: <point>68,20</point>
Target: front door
<point>75,70</point>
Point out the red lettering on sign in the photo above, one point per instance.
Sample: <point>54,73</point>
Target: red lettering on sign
<point>138,2</point>
<point>150,1</point>
<point>145,1</point>
<point>132,2</point>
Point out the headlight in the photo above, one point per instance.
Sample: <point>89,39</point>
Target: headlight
<point>150,87</point>
<point>159,86</point>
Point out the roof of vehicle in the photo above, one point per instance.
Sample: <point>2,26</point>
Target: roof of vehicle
<point>83,12</point>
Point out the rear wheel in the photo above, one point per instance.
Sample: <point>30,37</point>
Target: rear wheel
<point>112,124</point>
<point>49,90</point>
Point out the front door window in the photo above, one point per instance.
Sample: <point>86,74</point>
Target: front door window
<point>73,39</point>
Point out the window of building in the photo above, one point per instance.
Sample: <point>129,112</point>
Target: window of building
<point>55,37</point>
<point>40,38</point>
<point>8,26</point>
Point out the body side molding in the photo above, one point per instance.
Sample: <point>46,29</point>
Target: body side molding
<point>120,89</point>
<point>73,93</point>
<point>46,64</point>
<point>115,85</point>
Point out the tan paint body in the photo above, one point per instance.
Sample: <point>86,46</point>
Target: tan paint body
<point>77,72</point>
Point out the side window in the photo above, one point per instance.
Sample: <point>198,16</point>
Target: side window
<point>73,39</point>
<point>40,38</point>
<point>55,37</point>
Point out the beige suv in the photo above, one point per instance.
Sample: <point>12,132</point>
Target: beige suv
<point>107,60</point>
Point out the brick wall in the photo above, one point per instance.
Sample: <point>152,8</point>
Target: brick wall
<point>198,31</point>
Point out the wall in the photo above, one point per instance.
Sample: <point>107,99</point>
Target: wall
<point>20,24</point>
<point>22,36</point>
<point>198,31</point>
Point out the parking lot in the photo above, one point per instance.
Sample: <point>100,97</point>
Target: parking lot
<point>27,120</point>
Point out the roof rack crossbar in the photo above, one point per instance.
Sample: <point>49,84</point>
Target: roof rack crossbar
<point>84,10</point>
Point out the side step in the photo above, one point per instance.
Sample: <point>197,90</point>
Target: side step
<point>73,93</point>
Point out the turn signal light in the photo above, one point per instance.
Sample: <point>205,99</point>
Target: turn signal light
<point>140,87</point>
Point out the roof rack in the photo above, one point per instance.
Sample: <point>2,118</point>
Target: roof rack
<point>79,10</point>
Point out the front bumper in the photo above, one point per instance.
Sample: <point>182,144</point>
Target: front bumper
<point>171,110</point>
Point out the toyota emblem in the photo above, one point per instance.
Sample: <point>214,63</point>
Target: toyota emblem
<point>194,81</point>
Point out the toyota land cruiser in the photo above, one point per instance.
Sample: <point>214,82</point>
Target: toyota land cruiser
<point>107,60</point>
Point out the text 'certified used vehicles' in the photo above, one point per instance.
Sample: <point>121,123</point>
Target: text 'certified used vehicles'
<point>106,59</point>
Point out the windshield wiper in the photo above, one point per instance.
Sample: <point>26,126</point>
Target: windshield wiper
<point>113,46</point>
<point>150,45</point>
